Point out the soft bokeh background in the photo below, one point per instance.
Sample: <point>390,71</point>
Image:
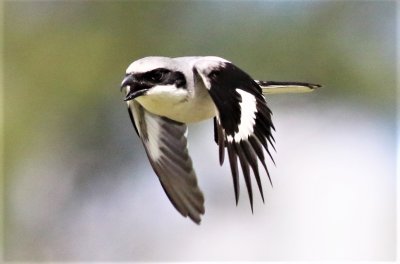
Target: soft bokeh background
<point>78,186</point>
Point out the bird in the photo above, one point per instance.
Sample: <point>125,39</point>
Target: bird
<point>165,94</point>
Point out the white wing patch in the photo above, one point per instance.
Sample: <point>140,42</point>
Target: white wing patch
<point>247,118</point>
<point>153,142</point>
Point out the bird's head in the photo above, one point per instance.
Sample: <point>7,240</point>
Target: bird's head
<point>152,76</point>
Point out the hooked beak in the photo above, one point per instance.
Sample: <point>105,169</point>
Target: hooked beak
<point>134,88</point>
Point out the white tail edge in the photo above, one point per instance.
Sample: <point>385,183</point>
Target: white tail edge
<point>272,87</point>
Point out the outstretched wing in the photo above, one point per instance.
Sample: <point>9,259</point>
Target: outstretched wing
<point>243,124</point>
<point>166,147</point>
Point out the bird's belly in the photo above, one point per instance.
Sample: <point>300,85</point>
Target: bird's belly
<point>185,110</point>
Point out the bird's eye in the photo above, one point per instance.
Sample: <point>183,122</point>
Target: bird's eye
<point>157,76</point>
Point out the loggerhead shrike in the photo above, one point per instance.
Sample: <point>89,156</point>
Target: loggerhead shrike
<point>164,94</point>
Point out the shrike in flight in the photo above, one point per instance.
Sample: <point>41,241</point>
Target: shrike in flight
<point>164,94</point>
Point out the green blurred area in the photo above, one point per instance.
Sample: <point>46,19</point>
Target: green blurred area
<point>64,61</point>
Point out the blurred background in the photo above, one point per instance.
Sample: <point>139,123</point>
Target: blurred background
<point>78,186</point>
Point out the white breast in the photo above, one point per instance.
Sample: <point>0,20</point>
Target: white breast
<point>178,104</point>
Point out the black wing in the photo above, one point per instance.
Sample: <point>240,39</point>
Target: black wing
<point>166,147</point>
<point>243,124</point>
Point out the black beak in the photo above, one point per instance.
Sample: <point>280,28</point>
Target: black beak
<point>134,87</point>
<point>129,80</point>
